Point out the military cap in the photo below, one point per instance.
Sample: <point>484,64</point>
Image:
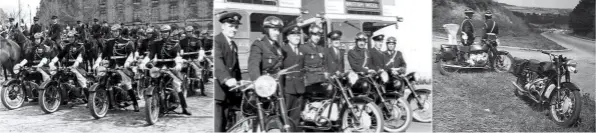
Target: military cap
<point>469,11</point>
<point>95,20</point>
<point>361,36</point>
<point>54,17</point>
<point>78,21</point>
<point>35,18</point>
<point>391,40</point>
<point>10,19</point>
<point>232,18</point>
<point>378,37</point>
<point>334,35</point>
<point>292,30</point>
<point>315,29</point>
<point>488,14</point>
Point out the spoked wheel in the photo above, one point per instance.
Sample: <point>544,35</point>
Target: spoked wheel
<point>565,106</point>
<point>152,108</point>
<point>50,98</point>
<point>244,125</point>
<point>503,63</point>
<point>423,112</point>
<point>445,70</point>
<point>396,114</point>
<point>99,102</point>
<point>274,124</point>
<point>366,118</point>
<point>13,96</point>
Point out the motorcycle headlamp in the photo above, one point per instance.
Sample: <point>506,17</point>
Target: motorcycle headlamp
<point>16,69</point>
<point>572,66</point>
<point>265,86</point>
<point>384,76</point>
<point>412,76</point>
<point>352,77</point>
<point>101,71</point>
<point>53,70</point>
<point>154,72</point>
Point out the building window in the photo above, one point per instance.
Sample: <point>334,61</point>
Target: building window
<point>173,10</point>
<point>155,14</point>
<point>103,2</point>
<point>154,3</point>
<point>193,10</point>
<point>136,1</point>
<point>259,2</point>
<point>205,9</point>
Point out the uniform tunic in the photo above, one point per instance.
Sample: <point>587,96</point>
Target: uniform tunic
<point>265,57</point>
<point>314,62</point>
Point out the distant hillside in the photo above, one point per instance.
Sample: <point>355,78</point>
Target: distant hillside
<point>537,10</point>
<point>582,19</point>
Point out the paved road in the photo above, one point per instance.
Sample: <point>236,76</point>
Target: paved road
<point>30,118</point>
<point>580,50</point>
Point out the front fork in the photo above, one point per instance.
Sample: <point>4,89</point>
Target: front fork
<point>284,111</point>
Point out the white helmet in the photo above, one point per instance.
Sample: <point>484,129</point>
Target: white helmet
<point>165,28</point>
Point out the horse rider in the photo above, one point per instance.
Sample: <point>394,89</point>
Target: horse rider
<point>55,30</point>
<point>35,28</point>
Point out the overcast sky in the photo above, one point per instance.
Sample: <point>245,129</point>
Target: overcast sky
<point>570,4</point>
<point>10,6</point>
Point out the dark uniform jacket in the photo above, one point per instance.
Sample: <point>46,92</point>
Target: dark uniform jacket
<point>105,31</point>
<point>378,59</point>
<point>190,44</point>
<point>36,28</point>
<point>70,53</point>
<point>490,26</point>
<point>81,31</point>
<point>293,82</point>
<point>96,31</point>
<point>398,59</point>
<point>226,65</point>
<point>165,49</point>
<point>55,32</point>
<point>359,59</point>
<point>36,53</point>
<point>468,28</point>
<point>264,58</point>
<point>314,59</point>
<point>145,46</point>
<point>117,51</point>
<point>334,60</point>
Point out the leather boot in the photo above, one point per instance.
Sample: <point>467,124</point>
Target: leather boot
<point>183,103</point>
<point>133,98</point>
<point>176,100</point>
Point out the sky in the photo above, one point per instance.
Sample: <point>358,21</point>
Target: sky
<point>569,4</point>
<point>13,5</point>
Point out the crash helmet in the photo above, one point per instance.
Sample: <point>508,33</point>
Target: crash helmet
<point>391,40</point>
<point>315,30</point>
<point>165,28</point>
<point>272,22</point>
<point>360,36</point>
<point>488,14</point>
<point>116,27</point>
<point>189,28</point>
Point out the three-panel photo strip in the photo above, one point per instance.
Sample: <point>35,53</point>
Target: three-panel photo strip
<point>257,66</point>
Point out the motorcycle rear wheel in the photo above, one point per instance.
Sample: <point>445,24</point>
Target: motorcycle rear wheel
<point>98,104</point>
<point>50,98</point>
<point>152,108</point>
<point>12,90</point>
<point>500,65</point>
<point>377,116</point>
<point>445,71</point>
<point>570,96</point>
<point>399,108</point>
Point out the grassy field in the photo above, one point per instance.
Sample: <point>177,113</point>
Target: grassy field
<point>485,102</point>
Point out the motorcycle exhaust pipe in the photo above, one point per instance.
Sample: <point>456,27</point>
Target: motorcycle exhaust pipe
<point>518,87</point>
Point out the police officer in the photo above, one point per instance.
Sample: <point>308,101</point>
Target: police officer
<point>55,30</point>
<point>467,28</point>
<point>490,26</point>
<point>119,52</point>
<point>11,24</point>
<point>265,54</point>
<point>226,66</point>
<point>73,56</point>
<point>335,56</point>
<point>394,58</point>
<point>105,29</point>
<point>80,28</point>
<point>38,55</point>
<point>35,28</point>
<point>167,48</point>
<point>293,83</point>
<point>96,29</point>
<point>192,45</point>
<point>376,54</point>
<point>359,57</point>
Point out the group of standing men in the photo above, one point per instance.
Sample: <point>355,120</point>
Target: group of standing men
<point>315,63</point>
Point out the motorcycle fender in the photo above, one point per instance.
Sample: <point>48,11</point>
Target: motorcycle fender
<point>93,87</point>
<point>570,85</point>
<point>361,99</point>
<point>420,91</point>
<point>44,84</point>
<point>6,83</point>
<point>149,91</point>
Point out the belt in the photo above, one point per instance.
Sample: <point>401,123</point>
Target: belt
<point>313,69</point>
<point>294,77</point>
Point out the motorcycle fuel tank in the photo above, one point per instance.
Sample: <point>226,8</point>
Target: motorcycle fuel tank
<point>478,47</point>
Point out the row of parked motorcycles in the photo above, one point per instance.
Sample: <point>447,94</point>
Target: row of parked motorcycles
<point>367,102</point>
<point>105,93</point>
<point>546,83</point>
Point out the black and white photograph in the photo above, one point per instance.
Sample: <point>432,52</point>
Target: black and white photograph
<point>513,65</point>
<point>322,66</point>
<point>106,66</point>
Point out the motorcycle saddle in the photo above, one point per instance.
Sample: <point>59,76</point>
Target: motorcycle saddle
<point>538,66</point>
<point>464,49</point>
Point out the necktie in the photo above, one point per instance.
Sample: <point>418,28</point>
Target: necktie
<point>336,53</point>
<point>233,46</point>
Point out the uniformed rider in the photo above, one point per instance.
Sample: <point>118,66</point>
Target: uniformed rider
<point>467,28</point>
<point>359,57</point>
<point>265,54</point>
<point>191,49</point>
<point>72,56</point>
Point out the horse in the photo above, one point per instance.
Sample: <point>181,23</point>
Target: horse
<point>10,54</point>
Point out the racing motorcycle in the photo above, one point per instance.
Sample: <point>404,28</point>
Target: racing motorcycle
<point>397,113</point>
<point>420,99</point>
<point>158,97</point>
<point>452,57</point>
<point>549,83</point>
<point>107,93</point>
<point>61,89</point>
<point>24,86</point>
<point>343,106</point>
<point>262,107</point>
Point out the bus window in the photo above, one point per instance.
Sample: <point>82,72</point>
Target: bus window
<point>349,30</point>
<point>371,27</point>
<point>259,2</point>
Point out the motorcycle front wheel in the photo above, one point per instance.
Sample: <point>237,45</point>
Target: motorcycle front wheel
<point>503,63</point>
<point>152,108</point>
<point>50,98</point>
<point>274,124</point>
<point>565,105</point>
<point>397,115</point>
<point>98,104</point>
<point>13,96</point>
<point>369,116</point>
<point>444,70</point>
<point>421,113</point>
<point>247,124</point>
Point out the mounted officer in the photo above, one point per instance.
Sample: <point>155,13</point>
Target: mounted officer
<point>35,28</point>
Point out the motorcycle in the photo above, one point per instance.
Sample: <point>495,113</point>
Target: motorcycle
<point>60,89</point>
<point>451,58</point>
<point>397,113</point>
<point>158,96</point>
<point>192,82</point>
<point>262,108</point>
<point>420,99</point>
<point>106,93</point>
<point>16,91</point>
<point>343,107</point>
<point>549,83</point>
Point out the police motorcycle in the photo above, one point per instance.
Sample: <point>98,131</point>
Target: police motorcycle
<point>549,83</point>
<point>24,86</point>
<point>420,99</point>
<point>262,108</point>
<point>108,93</point>
<point>191,81</point>
<point>61,89</point>
<point>397,113</point>
<point>158,96</point>
<point>484,55</point>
